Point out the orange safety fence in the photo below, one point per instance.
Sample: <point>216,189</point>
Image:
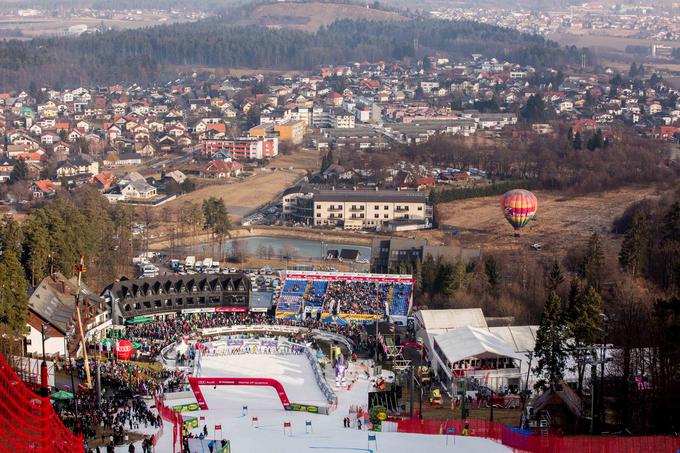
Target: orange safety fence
<point>521,440</point>
<point>28,422</point>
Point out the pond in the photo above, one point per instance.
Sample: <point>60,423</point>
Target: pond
<point>273,247</point>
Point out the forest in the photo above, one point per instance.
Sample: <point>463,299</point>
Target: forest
<point>146,55</point>
<point>555,162</point>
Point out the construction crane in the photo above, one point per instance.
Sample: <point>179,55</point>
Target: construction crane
<point>80,269</point>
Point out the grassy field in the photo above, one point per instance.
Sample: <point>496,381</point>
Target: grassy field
<point>561,222</point>
<point>245,196</point>
<point>311,16</point>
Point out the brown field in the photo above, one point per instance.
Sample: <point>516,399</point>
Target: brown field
<point>561,222</point>
<point>609,42</point>
<point>53,26</point>
<point>311,16</point>
<point>245,196</point>
<point>305,159</point>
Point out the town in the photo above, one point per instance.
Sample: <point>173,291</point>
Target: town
<point>280,226</point>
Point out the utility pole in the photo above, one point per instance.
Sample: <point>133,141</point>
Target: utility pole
<point>80,268</point>
<point>44,391</point>
<point>525,394</point>
<point>411,392</point>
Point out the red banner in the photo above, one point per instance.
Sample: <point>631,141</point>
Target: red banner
<point>124,350</point>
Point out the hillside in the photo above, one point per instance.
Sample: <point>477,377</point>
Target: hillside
<point>149,54</point>
<point>311,16</point>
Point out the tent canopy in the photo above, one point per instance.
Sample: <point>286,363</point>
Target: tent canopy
<point>61,395</point>
<point>468,341</point>
<point>441,321</point>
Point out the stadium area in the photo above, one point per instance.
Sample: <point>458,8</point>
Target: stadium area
<point>352,297</point>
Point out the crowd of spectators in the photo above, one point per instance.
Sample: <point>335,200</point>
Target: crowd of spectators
<point>361,297</point>
<point>127,388</point>
<point>163,332</point>
<point>120,406</point>
<point>346,296</point>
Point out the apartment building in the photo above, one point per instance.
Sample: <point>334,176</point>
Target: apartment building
<point>358,209</point>
<point>241,148</point>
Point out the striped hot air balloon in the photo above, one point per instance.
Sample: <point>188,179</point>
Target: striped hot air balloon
<point>519,206</point>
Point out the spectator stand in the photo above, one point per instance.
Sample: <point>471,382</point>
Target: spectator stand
<point>353,297</point>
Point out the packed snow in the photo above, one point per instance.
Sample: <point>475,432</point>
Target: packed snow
<point>225,408</point>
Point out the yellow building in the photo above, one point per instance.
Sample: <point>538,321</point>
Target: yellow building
<point>291,131</point>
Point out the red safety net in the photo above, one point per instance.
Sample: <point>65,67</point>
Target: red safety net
<point>28,422</point>
<point>174,417</point>
<point>520,440</point>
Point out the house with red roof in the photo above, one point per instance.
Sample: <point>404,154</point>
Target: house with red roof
<point>43,188</point>
<point>222,169</point>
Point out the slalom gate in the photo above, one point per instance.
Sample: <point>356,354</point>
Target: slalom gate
<point>28,422</point>
<point>521,440</point>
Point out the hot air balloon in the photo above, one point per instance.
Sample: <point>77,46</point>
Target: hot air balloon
<point>519,206</point>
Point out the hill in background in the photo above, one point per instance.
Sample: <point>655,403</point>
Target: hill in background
<point>311,16</point>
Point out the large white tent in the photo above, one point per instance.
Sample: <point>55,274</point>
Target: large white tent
<point>468,341</point>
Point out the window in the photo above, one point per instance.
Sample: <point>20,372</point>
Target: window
<point>385,216</point>
<point>354,216</point>
<point>377,216</point>
<point>386,207</point>
<point>318,214</point>
<point>420,208</point>
<point>332,215</point>
<point>377,207</point>
<point>361,215</point>
<point>319,206</point>
<point>340,216</point>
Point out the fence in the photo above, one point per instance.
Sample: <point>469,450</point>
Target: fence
<point>28,422</point>
<point>170,415</point>
<point>521,440</point>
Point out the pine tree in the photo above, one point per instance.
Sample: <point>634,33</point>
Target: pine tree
<point>493,276</point>
<point>550,347</point>
<point>634,249</point>
<point>11,235</point>
<point>555,278</point>
<point>36,250</point>
<point>578,141</point>
<point>13,293</point>
<point>671,223</point>
<point>428,274</point>
<point>585,328</point>
<point>19,172</point>
<point>592,265</point>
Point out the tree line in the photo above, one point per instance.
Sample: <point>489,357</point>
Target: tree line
<point>607,160</point>
<point>145,55</point>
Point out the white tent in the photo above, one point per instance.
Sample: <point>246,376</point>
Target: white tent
<point>467,341</point>
<point>440,321</point>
